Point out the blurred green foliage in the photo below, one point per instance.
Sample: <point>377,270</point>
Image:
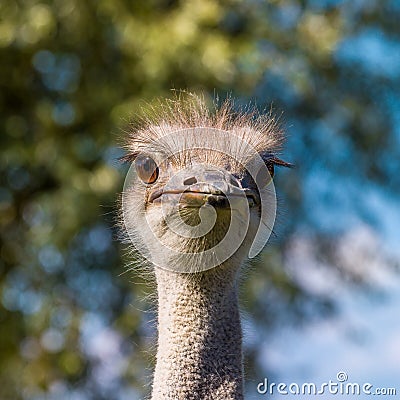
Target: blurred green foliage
<point>71,74</point>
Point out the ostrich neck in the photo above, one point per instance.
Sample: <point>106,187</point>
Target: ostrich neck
<point>199,337</point>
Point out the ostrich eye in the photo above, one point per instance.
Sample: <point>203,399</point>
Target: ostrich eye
<point>146,169</point>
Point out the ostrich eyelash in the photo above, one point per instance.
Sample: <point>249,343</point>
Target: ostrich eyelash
<point>128,158</point>
<point>279,162</point>
<point>268,159</point>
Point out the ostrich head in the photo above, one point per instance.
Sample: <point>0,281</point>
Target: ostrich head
<point>199,193</point>
<point>198,199</point>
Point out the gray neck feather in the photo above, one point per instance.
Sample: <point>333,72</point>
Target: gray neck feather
<point>199,336</point>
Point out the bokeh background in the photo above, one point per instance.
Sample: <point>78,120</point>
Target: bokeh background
<point>324,296</point>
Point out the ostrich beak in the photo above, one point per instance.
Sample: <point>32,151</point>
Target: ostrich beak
<point>200,185</point>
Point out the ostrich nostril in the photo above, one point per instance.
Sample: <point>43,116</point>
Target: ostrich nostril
<point>190,181</point>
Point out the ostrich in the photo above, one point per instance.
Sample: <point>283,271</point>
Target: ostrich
<point>197,177</point>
